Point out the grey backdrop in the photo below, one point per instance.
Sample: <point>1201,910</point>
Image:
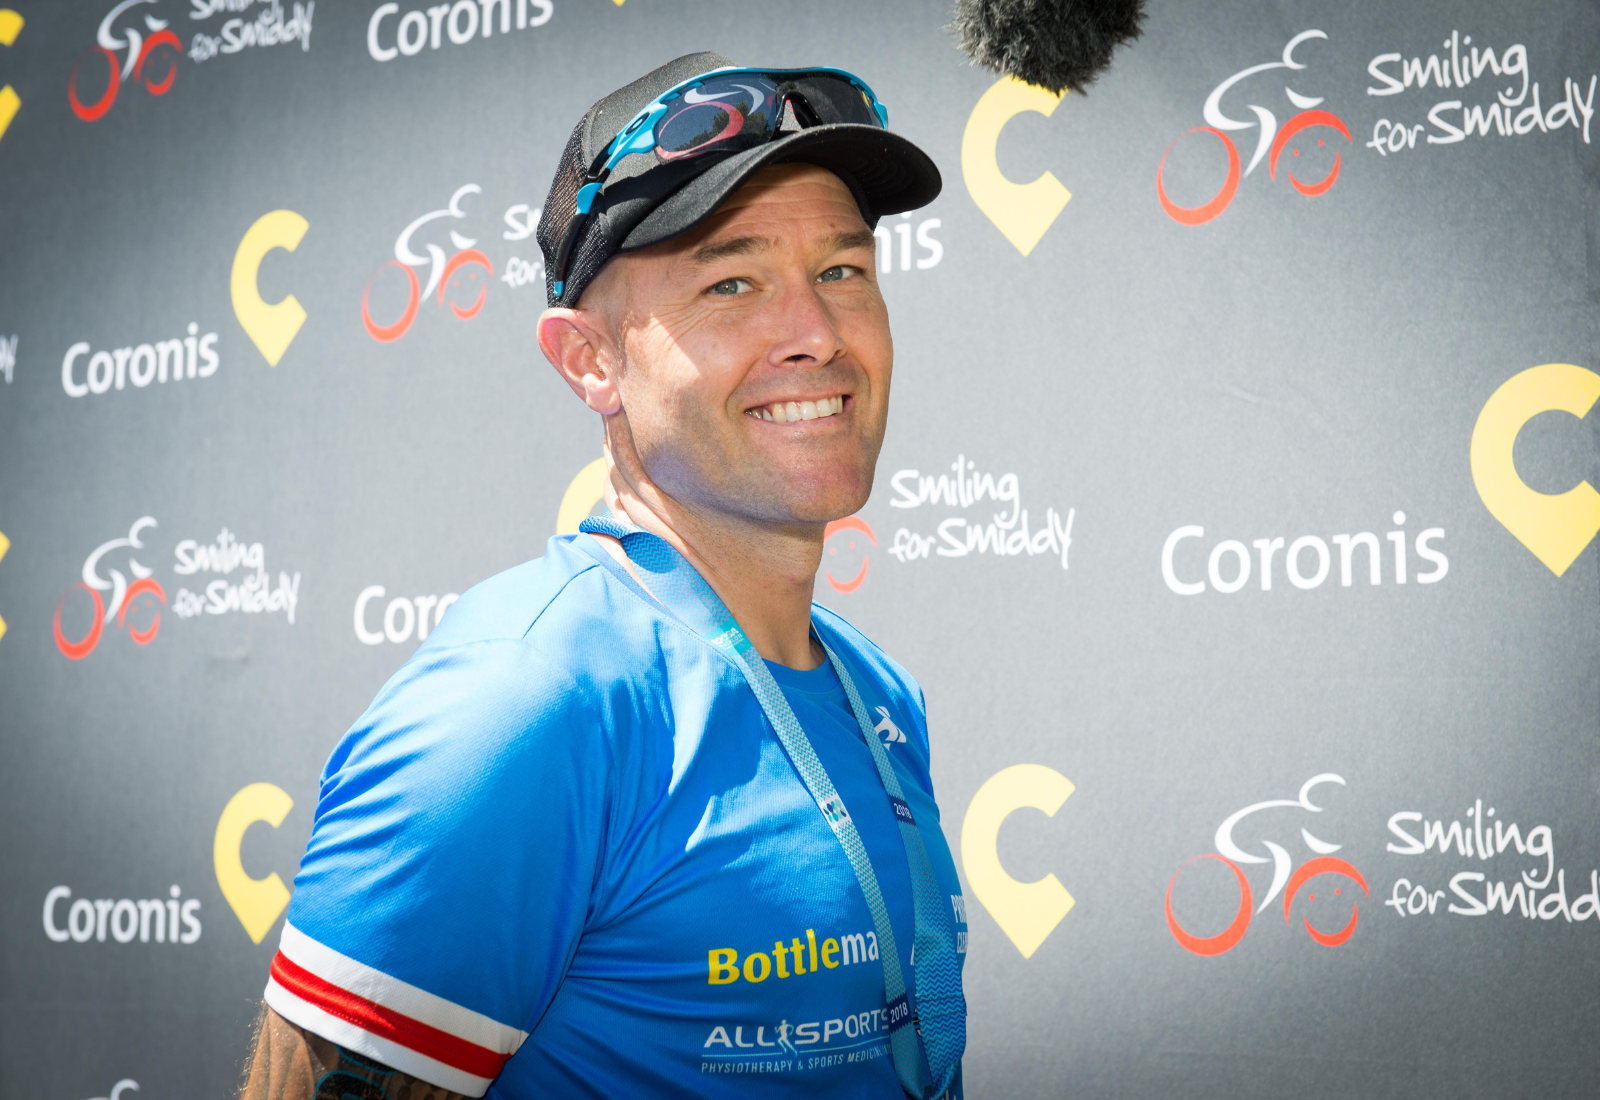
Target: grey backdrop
<point>1295,366</point>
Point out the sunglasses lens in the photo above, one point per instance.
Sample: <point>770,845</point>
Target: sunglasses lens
<point>693,128</point>
<point>835,99</point>
<point>718,114</point>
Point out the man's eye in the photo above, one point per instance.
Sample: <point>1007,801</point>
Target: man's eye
<point>730,286</point>
<point>837,273</point>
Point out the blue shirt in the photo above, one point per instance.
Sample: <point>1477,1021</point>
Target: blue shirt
<point>564,854</point>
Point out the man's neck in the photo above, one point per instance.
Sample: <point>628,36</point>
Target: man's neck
<point>765,576</point>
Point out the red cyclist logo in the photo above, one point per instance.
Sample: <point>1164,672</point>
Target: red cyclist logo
<point>1231,855</point>
<point>130,600</point>
<point>143,61</point>
<point>1270,141</point>
<point>458,272</point>
<point>850,526</point>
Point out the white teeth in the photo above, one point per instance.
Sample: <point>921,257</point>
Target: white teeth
<point>788,412</point>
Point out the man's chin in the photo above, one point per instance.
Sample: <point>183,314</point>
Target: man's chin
<point>807,503</point>
<point>824,508</point>
<point>773,494</point>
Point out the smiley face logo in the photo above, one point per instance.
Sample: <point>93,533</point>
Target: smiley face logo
<point>465,277</point>
<point>1305,120</point>
<point>1325,865</point>
<point>845,541</point>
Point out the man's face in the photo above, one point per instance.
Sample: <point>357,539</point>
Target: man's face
<point>756,354</point>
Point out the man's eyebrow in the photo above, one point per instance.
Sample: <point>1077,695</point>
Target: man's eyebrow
<point>708,254</point>
<point>735,246</point>
<point>855,238</point>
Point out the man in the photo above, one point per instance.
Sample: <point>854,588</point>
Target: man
<point>626,824</point>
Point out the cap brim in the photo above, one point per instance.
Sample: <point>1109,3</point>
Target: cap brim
<point>888,172</point>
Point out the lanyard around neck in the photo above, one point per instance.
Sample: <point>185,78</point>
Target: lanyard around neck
<point>927,1054</point>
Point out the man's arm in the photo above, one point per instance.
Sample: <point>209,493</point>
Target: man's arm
<point>290,1063</point>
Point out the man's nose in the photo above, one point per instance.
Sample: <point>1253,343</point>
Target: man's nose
<point>803,331</point>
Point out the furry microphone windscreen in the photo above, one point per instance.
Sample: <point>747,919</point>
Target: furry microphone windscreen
<point>1056,44</point>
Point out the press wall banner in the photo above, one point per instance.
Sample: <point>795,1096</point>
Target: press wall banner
<point>1237,513</point>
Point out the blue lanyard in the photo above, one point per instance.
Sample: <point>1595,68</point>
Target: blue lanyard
<point>925,1042</point>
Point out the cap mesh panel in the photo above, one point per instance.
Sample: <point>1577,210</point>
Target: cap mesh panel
<point>559,207</point>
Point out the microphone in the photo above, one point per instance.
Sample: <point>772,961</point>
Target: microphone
<point>1055,44</point>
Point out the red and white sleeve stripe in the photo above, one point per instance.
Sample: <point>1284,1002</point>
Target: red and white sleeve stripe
<point>400,1025</point>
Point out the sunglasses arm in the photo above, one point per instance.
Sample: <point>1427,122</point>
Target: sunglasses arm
<point>637,137</point>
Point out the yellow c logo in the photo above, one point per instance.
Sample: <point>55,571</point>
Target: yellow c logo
<point>255,901</point>
<point>1027,912</point>
<point>5,544</point>
<point>1022,211</point>
<point>1557,528</point>
<point>582,494</point>
<point>10,101</point>
<point>270,327</point>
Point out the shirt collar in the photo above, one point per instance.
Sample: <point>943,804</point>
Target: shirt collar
<point>667,574</point>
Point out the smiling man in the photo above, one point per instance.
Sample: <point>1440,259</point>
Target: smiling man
<point>623,826</point>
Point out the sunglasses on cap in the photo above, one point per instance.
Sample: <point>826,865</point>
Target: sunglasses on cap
<point>724,111</point>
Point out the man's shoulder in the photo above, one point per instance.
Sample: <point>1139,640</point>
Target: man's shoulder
<point>527,655</point>
<point>510,606</point>
<point>558,625</point>
<point>564,602</point>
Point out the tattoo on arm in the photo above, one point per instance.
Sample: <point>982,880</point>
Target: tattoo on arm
<point>289,1063</point>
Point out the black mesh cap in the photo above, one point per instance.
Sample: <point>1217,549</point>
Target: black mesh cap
<point>645,202</point>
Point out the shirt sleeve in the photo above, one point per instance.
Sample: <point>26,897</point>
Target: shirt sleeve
<point>450,866</point>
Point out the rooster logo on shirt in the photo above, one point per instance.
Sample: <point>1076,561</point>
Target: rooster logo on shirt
<point>891,732</point>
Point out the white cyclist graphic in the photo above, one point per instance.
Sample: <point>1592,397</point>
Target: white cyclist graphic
<point>453,272</point>
<point>1271,138</point>
<point>1281,863</point>
<point>124,594</point>
<point>118,1088</point>
<point>1286,878</point>
<point>891,732</point>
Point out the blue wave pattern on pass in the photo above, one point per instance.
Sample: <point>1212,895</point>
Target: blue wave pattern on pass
<point>556,821</point>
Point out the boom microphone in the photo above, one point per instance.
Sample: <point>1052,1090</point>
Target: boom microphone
<point>1055,44</point>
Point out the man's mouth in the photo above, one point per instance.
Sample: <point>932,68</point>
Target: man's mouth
<point>787,412</point>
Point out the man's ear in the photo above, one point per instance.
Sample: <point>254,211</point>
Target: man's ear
<point>584,354</point>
